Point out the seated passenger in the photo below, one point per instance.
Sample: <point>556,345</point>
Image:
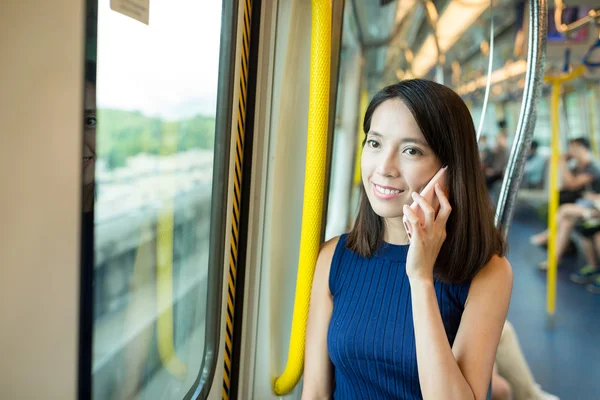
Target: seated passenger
<point>512,377</point>
<point>484,152</point>
<point>568,216</point>
<point>589,275</point>
<point>533,171</point>
<point>497,159</point>
<point>586,175</point>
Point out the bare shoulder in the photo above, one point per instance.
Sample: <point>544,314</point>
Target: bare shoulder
<point>497,268</point>
<point>495,278</point>
<point>328,248</point>
<point>326,255</point>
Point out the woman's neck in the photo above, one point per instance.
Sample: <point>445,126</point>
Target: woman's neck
<point>395,232</point>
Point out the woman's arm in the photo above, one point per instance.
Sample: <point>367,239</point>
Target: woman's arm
<point>318,372</point>
<point>465,371</point>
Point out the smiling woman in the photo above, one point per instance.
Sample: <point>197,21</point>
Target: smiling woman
<point>412,129</point>
<point>418,321</point>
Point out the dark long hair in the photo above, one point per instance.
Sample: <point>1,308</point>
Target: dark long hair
<point>445,121</point>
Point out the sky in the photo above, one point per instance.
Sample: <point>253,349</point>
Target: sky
<point>168,68</point>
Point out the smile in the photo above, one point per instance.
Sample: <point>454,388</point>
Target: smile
<point>385,193</point>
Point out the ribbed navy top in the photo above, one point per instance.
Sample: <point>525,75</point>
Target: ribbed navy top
<point>371,339</point>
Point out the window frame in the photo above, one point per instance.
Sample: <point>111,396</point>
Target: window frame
<point>218,224</point>
<point>220,192</point>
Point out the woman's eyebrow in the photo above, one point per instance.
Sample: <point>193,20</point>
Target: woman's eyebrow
<point>415,140</point>
<point>404,140</point>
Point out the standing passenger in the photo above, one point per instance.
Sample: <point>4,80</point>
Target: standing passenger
<point>389,320</point>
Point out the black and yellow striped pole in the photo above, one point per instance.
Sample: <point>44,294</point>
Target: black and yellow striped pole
<point>237,188</point>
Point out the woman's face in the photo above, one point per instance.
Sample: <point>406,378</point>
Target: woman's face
<point>396,159</point>
<point>89,134</point>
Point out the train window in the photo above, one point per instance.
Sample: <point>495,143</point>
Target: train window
<point>148,164</point>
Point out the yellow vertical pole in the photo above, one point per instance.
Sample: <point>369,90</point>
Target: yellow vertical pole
<point>556,82</point>
<point>553,207</point>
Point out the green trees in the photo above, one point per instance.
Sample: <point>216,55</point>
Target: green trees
<point>122,134</point>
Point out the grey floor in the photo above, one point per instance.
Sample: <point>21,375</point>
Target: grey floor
<point>564,355</point>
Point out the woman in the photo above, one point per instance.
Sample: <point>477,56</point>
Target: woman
<point>389,320</point>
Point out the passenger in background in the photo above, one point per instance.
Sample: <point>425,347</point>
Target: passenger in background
<point>484,152</point>
<point>533,171</point>
<point>498,158</point>
<point>585,176</point>
<point>589,275</point>
<point>568,216</point>
<point>389,319</point>
<point>512,377</point>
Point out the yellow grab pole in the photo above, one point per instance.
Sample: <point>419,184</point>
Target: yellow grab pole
<point>557,82</point>
<point>553,206</point>
<point>314,182</point>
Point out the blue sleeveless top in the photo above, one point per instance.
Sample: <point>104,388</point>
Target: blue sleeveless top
<point>371,339</point>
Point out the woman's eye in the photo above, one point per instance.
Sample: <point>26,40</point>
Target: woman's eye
<point>372,143</point>
<point>90,122</point>
<point>412,151</point>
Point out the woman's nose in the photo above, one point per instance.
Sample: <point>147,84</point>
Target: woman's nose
<point>388,165</point>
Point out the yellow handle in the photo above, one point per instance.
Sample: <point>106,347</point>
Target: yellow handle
<point>314,182</point>
<point>557,82</point>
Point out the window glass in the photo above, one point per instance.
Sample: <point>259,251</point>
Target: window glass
<point>151,95</point>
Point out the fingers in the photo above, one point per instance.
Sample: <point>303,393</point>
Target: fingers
<point>411,215</point>
<point>428,211</point>
<point>413,220</point>
<point>445,207</point>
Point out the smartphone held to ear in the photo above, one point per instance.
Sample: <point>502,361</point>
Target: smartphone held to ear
<point>428,194</point>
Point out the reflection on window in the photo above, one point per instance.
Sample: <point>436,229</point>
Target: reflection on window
<point>156,90</point>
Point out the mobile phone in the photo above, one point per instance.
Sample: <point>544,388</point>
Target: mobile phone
<point>428,193</point>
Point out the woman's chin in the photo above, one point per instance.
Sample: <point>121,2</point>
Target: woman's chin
<point>389,214</point>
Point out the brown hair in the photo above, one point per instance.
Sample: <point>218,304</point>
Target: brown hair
<point>445,121</point>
